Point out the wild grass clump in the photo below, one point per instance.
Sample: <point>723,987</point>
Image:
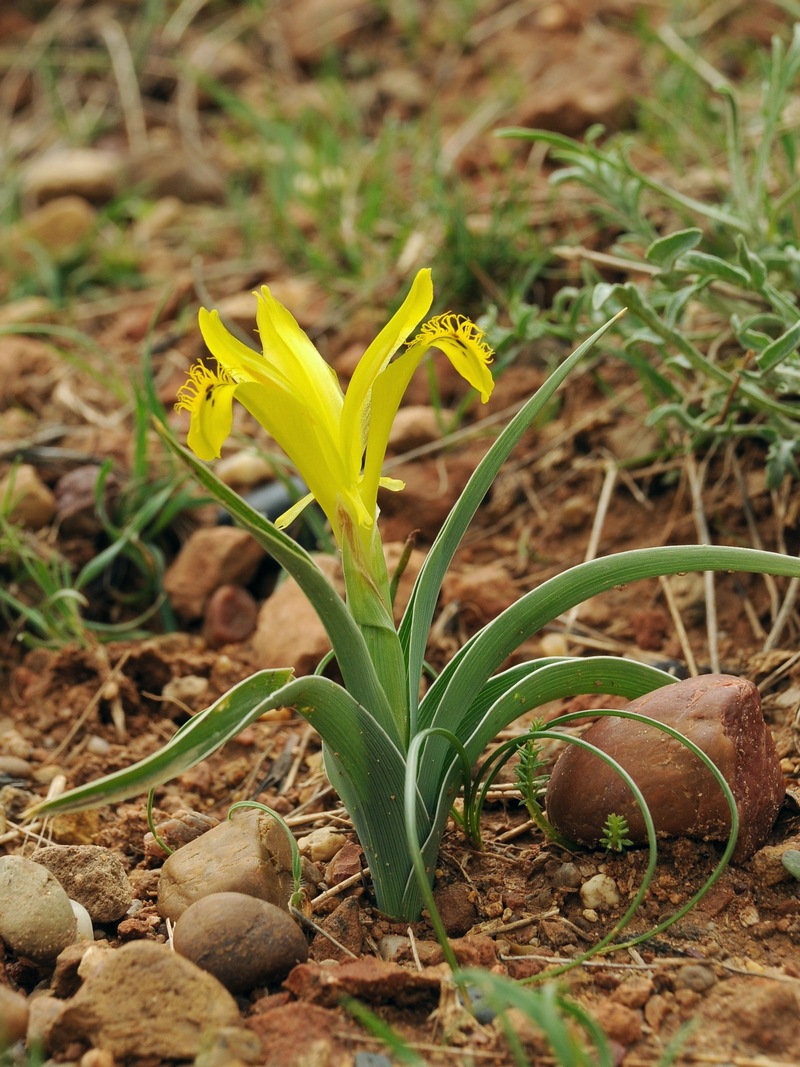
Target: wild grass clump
<point>709,278</point>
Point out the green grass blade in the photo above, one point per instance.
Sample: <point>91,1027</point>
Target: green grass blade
<point>416,621</point>
<point>548,1010</point>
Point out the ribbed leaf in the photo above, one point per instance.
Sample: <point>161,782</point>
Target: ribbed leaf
<point>511,694</point>
<point>416,622</point>
<point>480,657</point>
<point>194,741</point>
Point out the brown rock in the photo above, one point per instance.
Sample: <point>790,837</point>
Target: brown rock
<point>13,1017</point>
<point>415,425</point>
<point>456,908</point>
<point>212,557</point>
<point>90,173</point>
<point>66,979</point>
<point>301,1033</point>
<point>165,169</point>
<point>183,827</point>
<point>92,875</point>
<point>230,617</point>
<point>75,500</point>
<point>243,941</point>
<point>31,504</point>
<point>343,924</point>
<point>59,227</point>
<point>722,715</point>
<point>143,1000</point>
<point>367,979</point>
<point>314,26</point>
<point>345,864</point>
<point>288,632</point>
<point>249,854</point>
<point>619,1022</point>
<point>482,592</point>
<point>586,79</point>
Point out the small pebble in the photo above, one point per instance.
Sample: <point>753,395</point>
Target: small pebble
<point>14,767</point>
<point>371,1059</point>
<point>478,1005</point>
<point>567,877</point>
<point>36,918</point>
<point>600,893</point>
<point>230,616</point>
<point>30,502</point>
<point>243,941</point>
<point>183,827</point>
<point>696,977</point>
<point>98,746</point>
<point>321,845</point>
<point>13,1017</point>
<point>84,930</point>
<point>390,945</point>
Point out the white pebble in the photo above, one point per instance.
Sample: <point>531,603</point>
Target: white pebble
<point>85,930</point>
<point>600,893</point>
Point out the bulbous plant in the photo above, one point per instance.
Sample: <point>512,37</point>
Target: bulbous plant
<point>396,759</point>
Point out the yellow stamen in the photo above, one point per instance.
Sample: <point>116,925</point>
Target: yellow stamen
<point>200,386</point>
<point>455,328</point>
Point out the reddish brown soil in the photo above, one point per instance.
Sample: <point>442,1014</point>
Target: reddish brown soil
<point>81,712</point>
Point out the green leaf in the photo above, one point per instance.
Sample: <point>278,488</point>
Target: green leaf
<point>507,696</point>
<point>479,658</point>
<point>750,262</point>
<point>713,267</point>
<point>198,738</point>
<point>780,348</point>
<point>665,250</point>
<point>416,622</point>
<point>791,862</point>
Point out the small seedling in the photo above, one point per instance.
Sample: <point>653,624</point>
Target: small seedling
<point>614,837</point>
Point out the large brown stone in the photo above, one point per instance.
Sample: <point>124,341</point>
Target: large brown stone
<point>143,1001</point>
<point>211,557</point>
<point>247,854</point>
<point>722,715</point>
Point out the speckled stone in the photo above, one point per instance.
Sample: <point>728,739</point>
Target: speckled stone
<point>36,917</point>
<point>92,875</point>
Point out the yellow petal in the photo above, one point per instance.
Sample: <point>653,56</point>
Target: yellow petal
<point>288,517</point>
<point>208,397</point>
<point>240,361</point>
<point>387,392</point>
<point>463,344</point>
<point>303,436</point>
<point>393,484</point>
<point>290,355</point>
<point>357,405</point>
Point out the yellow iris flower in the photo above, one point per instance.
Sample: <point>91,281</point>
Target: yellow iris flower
<point>337,441</point>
